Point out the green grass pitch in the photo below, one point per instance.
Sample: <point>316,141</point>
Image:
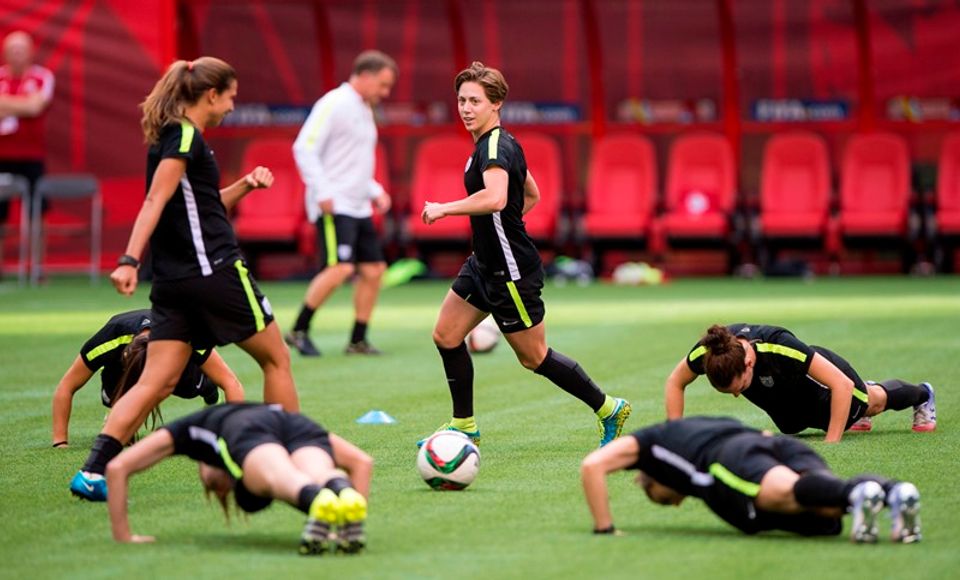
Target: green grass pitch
<point>524,517</point>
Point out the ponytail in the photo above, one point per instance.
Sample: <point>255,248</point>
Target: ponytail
<point>133,359</point>
<point>183,84</point>
<point>725,356</point>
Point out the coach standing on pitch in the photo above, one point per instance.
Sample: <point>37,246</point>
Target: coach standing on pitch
<point>336,154</point>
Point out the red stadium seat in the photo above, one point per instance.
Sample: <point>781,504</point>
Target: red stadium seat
<point>543,161</point>
<point>621,189</point>
<point>381,173</point>
<point>273,217</point>
<point>699,197</point>
<point>946,234</point>
<point>875,187</point>
<point>438,176</point>
<point>795,187</point>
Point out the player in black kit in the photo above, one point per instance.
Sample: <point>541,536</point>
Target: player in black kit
<point>799,386</point>
<point>203,294</point>
<point>753,480</point>
<point>120,345</point>
<point>504,275</point>
<point>260,453</point>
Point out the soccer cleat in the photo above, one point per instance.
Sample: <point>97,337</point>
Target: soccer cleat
<point>862,424</point>
<point>611,426</point>
<point>473,435</point>
<point>353,512</point>
<point>89,486</point>
<point>925,414</point>
<point>904,502</point>
<point>318,537</point>
<point>362,347</point>
<point>866,501</point>
<point>300,340</point>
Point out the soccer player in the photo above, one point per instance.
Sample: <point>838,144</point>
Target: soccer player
<point>753,480</point>
<point>336,154</point>
<point>260,453</point>
<point>504,275</point>
<point>799,386</point>
<point>202,295</point>
<point>122,344</point>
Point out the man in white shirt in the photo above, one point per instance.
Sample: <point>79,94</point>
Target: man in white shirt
<point>336,154</point>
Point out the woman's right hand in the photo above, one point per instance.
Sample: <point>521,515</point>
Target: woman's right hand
<point>124,279</point>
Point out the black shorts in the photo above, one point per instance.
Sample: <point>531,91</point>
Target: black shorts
<point>193,383</point>
<point>343,238</point>
<point>738,470</point>
<point>248,431</point>
<point>206,311</point>
<point>515,305</point>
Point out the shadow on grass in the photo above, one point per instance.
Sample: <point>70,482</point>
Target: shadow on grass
<point>722,532</point>
<point>225,542</point>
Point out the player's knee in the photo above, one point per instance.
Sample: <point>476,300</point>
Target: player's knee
<point>446,339</point>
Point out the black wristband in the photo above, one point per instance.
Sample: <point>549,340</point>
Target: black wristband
<point>59,443</point>
<point>128,260</point>
<point>608,530</point>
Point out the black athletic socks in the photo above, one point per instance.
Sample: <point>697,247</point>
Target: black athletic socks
<point>902,395</point>
<point>306,496</point>
<point>458,366</point>
<point>569,376</point>
<point>103,450</point>
<point>304,318</point>
<point>359,332</point>
<point>824,489</point>
<point>338,484</point>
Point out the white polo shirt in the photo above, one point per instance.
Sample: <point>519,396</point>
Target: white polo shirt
<point>336,154</point>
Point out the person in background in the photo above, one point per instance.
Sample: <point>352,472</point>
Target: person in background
<point>26,91</point>
<point>336,154</point>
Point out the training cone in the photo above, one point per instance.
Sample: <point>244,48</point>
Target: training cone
<point>376,417</point>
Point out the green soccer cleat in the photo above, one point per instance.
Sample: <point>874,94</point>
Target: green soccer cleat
<point>473,435</point>
<point>353,513</point>
<point>318,536</point>
<point>611,425</point>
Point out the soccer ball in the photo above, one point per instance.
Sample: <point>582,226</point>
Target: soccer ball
<point>448,460</point>
<point>484,337</point>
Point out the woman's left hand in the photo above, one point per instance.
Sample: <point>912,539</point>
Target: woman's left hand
<point>259,178</point>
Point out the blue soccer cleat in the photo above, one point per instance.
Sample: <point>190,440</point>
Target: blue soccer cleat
<point>89,486</point>
<point>611,425</point>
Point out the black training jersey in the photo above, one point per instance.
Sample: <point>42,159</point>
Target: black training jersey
<point>503,249</point>
<point>780,384</point>
<point>198,435</point>
<point>104,350</point>
<point>194,237</point>
<point>679,454</point>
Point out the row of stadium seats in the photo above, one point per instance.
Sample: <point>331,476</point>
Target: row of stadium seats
<point>700,205</point>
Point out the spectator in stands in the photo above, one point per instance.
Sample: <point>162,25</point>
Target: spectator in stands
<point>203,294</point>
<point>336,154</point>
<point>504,275</point>
<point>799,386</point>
<point>118,350</point>
<point>26,90</point>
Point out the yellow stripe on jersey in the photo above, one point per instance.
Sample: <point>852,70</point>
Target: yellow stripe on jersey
<point>733,481</point>
<point>318,123</point>
<point>858,394</point>
<point>108,346</point>
<point>330,239</point>
<point>781,350</point>
<point>186,137</point>
<point>493,144</point>
<point>521,309</point>
<point>697,353</point>
<point>232,466</point>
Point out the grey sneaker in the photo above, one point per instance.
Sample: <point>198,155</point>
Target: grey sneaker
<point>866,501</point>
<point>904,502</point>
<point>300,340</point>
<point>925,414</point>
<point>362,347</point>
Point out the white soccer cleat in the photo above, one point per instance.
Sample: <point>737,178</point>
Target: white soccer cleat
<point>866,501</point>
<point>925,414</point>
<point>904,502</point>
